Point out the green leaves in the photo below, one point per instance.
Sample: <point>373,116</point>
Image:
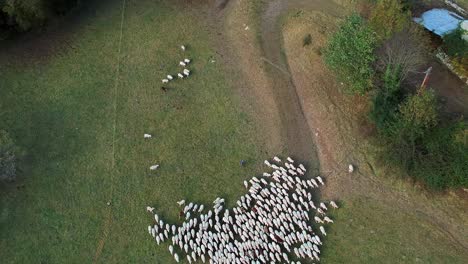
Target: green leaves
<point>350,54</point>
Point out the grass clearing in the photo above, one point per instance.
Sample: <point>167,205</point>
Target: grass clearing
<point>61,111</point>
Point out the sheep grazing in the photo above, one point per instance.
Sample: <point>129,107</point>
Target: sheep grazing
<point>149,209</point>
<point>187,61</point>
<point>169,77</point>
<point>182,47</point>
<point>186,72</point>
<point>183,64</point>
<point>276,159</point>
<point>147,136</point>
<point>333,204</point>
<point>290,160</point>
<point>165,80</point>
<point>181,202</point>
<point>180,75</point>
<point>323,206</point>
<point>176,257</point>
<point>171,249</point>
<point>322,230</point>
<point>350,168</point>
<point>279,201</point>
<point>154,167</point>
<point>320,180</point>
<point>318,220</point>
<point>302,167</point>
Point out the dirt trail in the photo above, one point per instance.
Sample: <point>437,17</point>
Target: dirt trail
<point>295,129</point>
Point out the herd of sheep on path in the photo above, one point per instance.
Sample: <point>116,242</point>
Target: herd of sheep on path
<point>270,224</point>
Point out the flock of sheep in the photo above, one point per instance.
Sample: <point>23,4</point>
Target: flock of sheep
<point>185,72</point>
<point>270,224</point>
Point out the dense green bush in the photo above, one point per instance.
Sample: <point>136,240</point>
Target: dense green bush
<point>415,117</point>
<point>350,54</point>
<point>386,100</point>
<point>9,153</point>
<point>454,45</point>
<point>414,139</point>
<point>443,160</point>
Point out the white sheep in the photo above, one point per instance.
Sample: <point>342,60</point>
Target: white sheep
<point>149,209</point>
<point>154,167</point>
<point>350,168</point>
<point>333,204</point>
<point>183,64</point>
<point>327,219</point>
<point>187,61</point>
<point>169,77</point>
<point>290,160</point>
<point>181,202</point>
<point>171,249</point>
<point>147,136</point>
<point>182,47</point>
<point>318,220</point>
<point>322,229</point>
<point>320,180</point>
<point>165,80</point>
<point>180,75</point>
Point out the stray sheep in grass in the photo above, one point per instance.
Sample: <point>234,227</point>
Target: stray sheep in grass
<point>269,223</point>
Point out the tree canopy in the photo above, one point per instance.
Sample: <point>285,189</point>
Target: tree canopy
<point>350,54</point>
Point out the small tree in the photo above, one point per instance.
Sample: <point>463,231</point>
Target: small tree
<point>9,154</point>
<point>349,54</point>
<point>387,99</point>
<point>417,116</point>
<point>388,17</point>
<point>406,50</point>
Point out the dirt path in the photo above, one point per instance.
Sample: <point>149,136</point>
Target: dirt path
<point>295,130</point>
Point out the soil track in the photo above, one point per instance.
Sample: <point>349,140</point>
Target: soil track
<point>295,129</point>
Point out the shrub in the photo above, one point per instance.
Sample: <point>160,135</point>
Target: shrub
<point>407,49</point>
<point>387,99</point>
<point>9,154</point>
<point>443,161</point>
<point>388,17</point>
<point>415,117</point>
<point>454,45</point>
<point>349,54</point>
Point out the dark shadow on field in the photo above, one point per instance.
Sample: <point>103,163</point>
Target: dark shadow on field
<point>55,39</point>
<point>50,136</point>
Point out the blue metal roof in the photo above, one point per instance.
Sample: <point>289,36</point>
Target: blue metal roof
<point>439,21</point>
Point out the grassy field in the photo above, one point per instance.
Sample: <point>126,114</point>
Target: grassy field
<point>80,112</point>
<point>63,110</point>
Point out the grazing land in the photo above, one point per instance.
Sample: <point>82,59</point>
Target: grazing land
<point>79,99</point>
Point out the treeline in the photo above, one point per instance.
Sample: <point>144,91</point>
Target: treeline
<point>374,56</point>
<point>24,15</point>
